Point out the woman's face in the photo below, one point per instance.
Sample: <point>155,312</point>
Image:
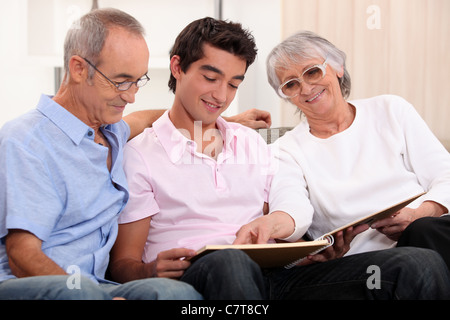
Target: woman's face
<point>314,99</point>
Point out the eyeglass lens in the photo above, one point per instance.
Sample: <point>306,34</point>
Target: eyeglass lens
<point>310,76</point>
<point>123,86</point>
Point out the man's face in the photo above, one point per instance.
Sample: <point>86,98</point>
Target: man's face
<point>124,57</point>
<point>209,85</point>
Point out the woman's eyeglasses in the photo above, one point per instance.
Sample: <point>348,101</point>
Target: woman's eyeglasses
<point>312,75</point>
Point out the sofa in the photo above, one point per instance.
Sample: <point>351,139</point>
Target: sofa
<point>272,134</point>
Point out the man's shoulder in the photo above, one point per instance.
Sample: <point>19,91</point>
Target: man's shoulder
<point>146,138</point>
<point>23,128</point>
<point>241,131</point>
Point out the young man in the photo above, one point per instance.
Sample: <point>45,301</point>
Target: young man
<point>197,160</point>
<point>196,179</point>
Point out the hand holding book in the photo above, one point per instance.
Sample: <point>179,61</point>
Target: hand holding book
<point>331,245</point>
<point>253,239</point>
<point>374,217</point>
<point>393,226</point>
<point>341,245</point>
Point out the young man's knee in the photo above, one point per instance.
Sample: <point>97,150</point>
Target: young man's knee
<point>229,258</point>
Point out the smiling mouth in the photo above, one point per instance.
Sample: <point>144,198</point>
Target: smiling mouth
<point>212,106</point>
<point>119,108</point>
<point>316,96</point>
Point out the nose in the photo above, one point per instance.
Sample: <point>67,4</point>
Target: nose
<point>306,88</point>
<point>220,93</point>
<point>130,94</point>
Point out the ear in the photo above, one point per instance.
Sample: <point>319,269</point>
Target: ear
<point>340,73</point>
<point>175,66</point>
<point>78,69</point>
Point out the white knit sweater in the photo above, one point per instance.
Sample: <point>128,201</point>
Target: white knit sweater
<point>388,154</point>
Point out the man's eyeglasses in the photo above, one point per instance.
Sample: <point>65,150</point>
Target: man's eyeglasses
<point>312,75</point>
<point>125,85</point>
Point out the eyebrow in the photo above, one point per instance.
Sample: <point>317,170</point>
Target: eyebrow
<point>295,76</point>
<point>214,69</point>
<point>128,76</point>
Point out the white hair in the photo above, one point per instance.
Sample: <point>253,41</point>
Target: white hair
<point>302,46</point>
<point>87,36</point>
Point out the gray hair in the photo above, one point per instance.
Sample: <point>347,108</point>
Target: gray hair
<point>303,46</point>
<point>86,37</point>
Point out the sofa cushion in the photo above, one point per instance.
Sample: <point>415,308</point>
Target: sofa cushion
<point>272,134</point>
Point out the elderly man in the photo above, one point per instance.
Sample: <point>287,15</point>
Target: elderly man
<point>63,186</point>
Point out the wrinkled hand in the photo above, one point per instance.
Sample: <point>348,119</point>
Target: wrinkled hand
<point>340,247</point>
<point>253,118</point>
<point>171,263</point>
<point>393,226</point>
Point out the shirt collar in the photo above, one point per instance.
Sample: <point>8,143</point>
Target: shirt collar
<point>175,143</point>
<point>73,127</point>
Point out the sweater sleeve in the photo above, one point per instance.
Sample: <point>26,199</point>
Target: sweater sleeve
<point>289,192</point>
<point>425,156</point>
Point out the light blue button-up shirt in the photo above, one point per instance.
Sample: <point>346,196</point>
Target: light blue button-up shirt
<point>54,183</point>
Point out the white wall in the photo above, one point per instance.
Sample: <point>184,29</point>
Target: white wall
<point>22,80</point>
<point>393,47</point>
<point>32,35</point>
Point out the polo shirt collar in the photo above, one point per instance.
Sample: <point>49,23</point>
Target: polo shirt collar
<point>73,127</point>
<point>175,143</point>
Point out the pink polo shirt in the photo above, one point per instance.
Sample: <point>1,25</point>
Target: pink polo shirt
<point>193,199</point>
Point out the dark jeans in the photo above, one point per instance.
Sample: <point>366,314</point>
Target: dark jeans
<point>402,274</point>
<point>431,233</point>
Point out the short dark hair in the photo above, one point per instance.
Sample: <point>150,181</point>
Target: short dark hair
<point>225,35</point>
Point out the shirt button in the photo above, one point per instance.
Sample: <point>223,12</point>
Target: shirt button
<point>90,133</point>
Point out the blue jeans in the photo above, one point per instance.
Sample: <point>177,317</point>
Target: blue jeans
<point>404,273</point>
<point>56,288</point>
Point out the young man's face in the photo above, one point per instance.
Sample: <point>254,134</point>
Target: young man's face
<point>208,86</point>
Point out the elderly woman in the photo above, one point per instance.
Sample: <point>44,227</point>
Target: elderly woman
<point>347,159</point>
